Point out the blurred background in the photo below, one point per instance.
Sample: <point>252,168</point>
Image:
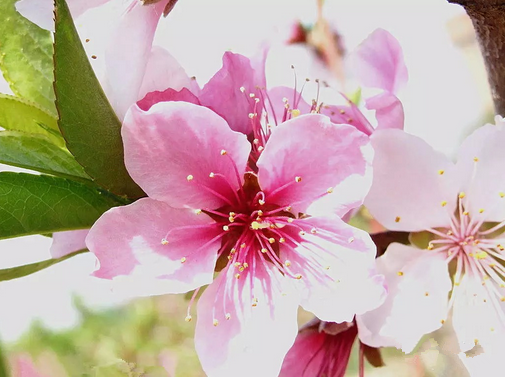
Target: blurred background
<point>61,321</point>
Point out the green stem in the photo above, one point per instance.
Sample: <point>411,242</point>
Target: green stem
<point>4,368</point>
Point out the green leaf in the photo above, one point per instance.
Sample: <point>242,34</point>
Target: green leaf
<point>26,57</point>
<point>23,115</point>
<point>26,270</point>
<point>33,204</point>
<point>36,152</point>
<point>87,121</point>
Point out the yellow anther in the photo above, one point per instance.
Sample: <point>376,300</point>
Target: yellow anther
<point>290,220</point>
<point>485,277</point>
<point>329,190</point>
<point>400,273</point>
<point>231,219</point>
<point>327,267</point>
<point>426,294</point>
<point>215,322</point>
<point>212,175</point>
<point>481,211</point>
<point>476,159</point>
<point>261,202</point>
<point>298,179</point>
<point>189,177</point>
<point>223,152</point>
<point>443,203</point>
<point>226,228</point>
<point>228,316</point>
<point>188,318</point>
<point>245,265</point>
<point>271,240</point>
<point>441,172</point>
<point>430,246</point>
<point>501,194</point>
<point>397,219</point>
<point>313,230</point>
<point>502,299</point>
<point>298,276</point>
<point>457,283</point>
<point>237,276</point>
<point>295,113</point>
<point>241,269</point>
<point>243,245</point>
<point>198,211</point>
<point>287,263</point>
<point>260,213</point>
<point>237,264</point>
<point>466,213</point>
<point>242,89</point>
<point>462,195</point>
<point>256,141</point>
<point>252,115</point>
<point>233,250</point>
<point>282,240</point>
<point>342,111</point>
<point>255,225</point>
<point>476,341</point>
<point>252,95</point>
<point>264,250</point>
<point>183,260</point>
<point>351,239</point>
<point>500,247</point>
<point>449,233</point>
<point>442,321</point>
<point>481,255</point>
<point>164,241</point>
<point>301,233</point>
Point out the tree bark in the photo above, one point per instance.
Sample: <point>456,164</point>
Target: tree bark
<point>488,18</point>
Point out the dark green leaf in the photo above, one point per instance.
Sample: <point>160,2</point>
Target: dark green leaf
<point>33,204</point>
<point>87,121</point>
<point>26,270</point>
<point>26,57</point>
<point>36,152</point>
<point>23,115</point>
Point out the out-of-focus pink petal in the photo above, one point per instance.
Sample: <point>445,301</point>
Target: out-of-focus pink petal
<point>476,315</point>
<point>67,242</point>
<point>168,95</point>
<point>172,149</point>
<point>223,92</point>
<point>24,366</point>
<point>349,115</point>
<point>411,183</point>
<point>378,62</point>
<point>318,354</point>
<point>128,53</point>
<point>128,242</point>
<point>388,111</point>
<point>40,12</point>
<point>308,156</point>
<point>337,267</point>
<point>482,179</point>
<point>163,71</point>
<point>276,107</point>
<point>255,339</point>
<point>418,284</point>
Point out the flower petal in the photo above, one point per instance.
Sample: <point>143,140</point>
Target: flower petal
<point>418,284</point>
<point>337,267</point>
<point>484,187</point>
<point>128,53</point>
<point>255,339</point>
<point>478,315</point>
<point>223,92</point>
<point>167,95</point>
<point>163,71</point>
<point>308,157</point>
<point>171,150</point>
<point>411,183</point>
<point>67,242</point>
<point>127,241</point>
<point>350,115</point>
<point>378,62</point>
<point>388,111</point>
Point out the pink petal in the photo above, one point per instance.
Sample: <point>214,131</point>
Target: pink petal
<point>482,180</point>
<point>378,62</point>
<point>417,303</point>
<point>388,111</point>
<point>350,115</point>
<point>168,95</point>
<point>254,341</point>
<point>163,72</point>
<point>171,150</point>
<point>128,54</point>
<point>337,267</point>
<point>276,108</point>
<point>223,95</point>
<point>308,155</point>
<point>67,242</point>
<point>477,315</point>
<point>40,12</point>
<point>411,182</point>
<point>127,241</point>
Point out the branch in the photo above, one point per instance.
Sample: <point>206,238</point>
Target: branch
<point>383,239</point>
<point>488,18</point>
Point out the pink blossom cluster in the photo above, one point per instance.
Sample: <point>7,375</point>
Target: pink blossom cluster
<point>246,190</point>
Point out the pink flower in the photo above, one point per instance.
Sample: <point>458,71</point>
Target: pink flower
<point>458,213</point>
<point>321,350</point>
<point>219,202</point>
